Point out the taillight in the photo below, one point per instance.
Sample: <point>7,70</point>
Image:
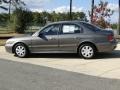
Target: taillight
<point>110,38</point>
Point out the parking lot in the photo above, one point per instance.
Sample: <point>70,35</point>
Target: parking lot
<point>104,65</point>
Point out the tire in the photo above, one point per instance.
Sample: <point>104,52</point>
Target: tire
<point>20,50</point>
<point>87,51</point>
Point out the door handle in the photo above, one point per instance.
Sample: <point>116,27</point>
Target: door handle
<point>52,39</point>
<point>76,37</point>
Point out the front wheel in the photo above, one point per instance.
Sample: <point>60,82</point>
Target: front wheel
<point>87,51</point>
<point>21,50</point>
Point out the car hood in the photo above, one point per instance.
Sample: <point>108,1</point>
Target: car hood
<point>23,35</point>
<point>19,38</point>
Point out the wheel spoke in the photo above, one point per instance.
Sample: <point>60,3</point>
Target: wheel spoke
<point>20,51</point>
<point>87,51</point>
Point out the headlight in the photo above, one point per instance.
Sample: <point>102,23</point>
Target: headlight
<point>9,42</point>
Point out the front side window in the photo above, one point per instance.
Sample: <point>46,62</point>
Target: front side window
<point>70,29</point>
<point>51,30</point>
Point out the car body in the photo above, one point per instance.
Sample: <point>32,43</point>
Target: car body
<point>64,37</point>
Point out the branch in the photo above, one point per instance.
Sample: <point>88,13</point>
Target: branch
<point>0,0</point>
<point>4,8</point>
<point>6,1</point>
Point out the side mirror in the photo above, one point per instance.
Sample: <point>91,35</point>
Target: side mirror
<point>41,34</point>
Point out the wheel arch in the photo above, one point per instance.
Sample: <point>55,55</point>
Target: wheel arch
<point>87,42</point>
<point>13,48</point>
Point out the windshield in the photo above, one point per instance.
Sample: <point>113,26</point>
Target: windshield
<point>37,32</point>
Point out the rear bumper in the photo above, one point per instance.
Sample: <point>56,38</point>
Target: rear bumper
<point>106,47</point>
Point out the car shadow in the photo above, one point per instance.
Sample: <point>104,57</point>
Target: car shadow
<point>113,55</point>
<point>54,55</point>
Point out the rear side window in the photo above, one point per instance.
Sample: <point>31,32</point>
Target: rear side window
<point>91,27</point>
<point>70,29</point>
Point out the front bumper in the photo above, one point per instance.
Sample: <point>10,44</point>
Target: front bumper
<point>8,48</point>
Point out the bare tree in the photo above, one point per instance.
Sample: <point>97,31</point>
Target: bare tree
<point>2,7</point>
<point>14,3</point>
<point>99,14</point>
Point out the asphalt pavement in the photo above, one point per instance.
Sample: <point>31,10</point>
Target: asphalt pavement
<point>21,76</point>
<point>105,65</point>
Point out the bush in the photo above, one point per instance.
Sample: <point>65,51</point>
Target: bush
<point>19,20</point>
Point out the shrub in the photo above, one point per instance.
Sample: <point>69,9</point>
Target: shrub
<point>19,20</point>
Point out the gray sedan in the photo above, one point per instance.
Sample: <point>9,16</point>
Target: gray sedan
<point>64,37</point>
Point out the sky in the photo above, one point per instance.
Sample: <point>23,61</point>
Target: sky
<point>63,6</point>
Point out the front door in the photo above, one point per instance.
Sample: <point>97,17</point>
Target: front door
<point>47,41</point>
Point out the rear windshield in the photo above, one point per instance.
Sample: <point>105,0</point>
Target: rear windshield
<point>90,26</point>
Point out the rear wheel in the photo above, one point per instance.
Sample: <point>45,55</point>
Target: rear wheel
<point>21,50</point>
<point>87,51</point>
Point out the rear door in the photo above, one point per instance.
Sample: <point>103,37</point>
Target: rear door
<point>69,37</point>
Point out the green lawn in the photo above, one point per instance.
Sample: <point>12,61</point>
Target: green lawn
<point>8,35</point>
<point>2,42</point>
<point>6,32</point>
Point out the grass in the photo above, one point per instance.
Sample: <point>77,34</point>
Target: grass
<point>2,42</point>
<point>4,36</point>
<point>5,32</point>
<point>8,35</point>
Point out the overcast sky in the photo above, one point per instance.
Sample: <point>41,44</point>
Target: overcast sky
<point>63,6</point>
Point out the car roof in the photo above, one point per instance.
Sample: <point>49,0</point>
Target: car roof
<point>60,22</point>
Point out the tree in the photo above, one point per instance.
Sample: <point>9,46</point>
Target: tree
<point>114,26</point>
<point>15,3</point>
<point>2,7</point>
<point>100,13</point>
<point>20,18</point>
<point>79,16</point>
<point>3,17</point>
